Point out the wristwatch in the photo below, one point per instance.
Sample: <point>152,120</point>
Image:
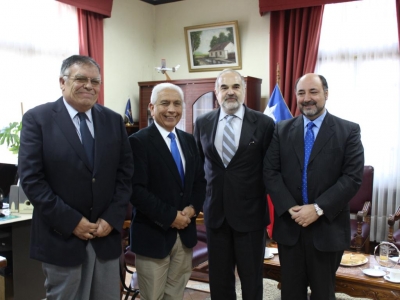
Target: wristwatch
<point>318,210</point>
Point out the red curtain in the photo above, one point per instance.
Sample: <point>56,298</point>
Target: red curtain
<point>102,7</point>
<point>91,41</point>
<point>398,18</point>
<point>275,5</point>
<point>294,41</point>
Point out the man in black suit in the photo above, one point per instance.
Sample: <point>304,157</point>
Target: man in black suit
<point>79,197</point>
<point>312,224</point>
<point>168,193</point>
<point>233,141</point>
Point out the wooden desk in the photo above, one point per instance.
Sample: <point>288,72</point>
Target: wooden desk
<point>349,280</point>
<point>28,277</point>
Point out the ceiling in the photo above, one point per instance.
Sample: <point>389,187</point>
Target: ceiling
<point>157,2</point>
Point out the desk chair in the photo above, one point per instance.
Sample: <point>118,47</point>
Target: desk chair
<point>360,207</point>
<point>3,264</point>
<point>132,288</point>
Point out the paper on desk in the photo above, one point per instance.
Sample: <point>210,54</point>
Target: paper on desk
<point>8,217</point>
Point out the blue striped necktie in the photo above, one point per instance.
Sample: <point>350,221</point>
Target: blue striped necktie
<point>308,144</point>
<point>176,155</point>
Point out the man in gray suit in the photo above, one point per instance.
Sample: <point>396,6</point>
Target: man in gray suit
<point>311,201</point>
<point>75,166</point>
<point>233,141</point>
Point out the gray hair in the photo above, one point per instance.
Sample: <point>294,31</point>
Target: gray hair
<point>162,86</point>
<point>229,71</point>
<point>77,60</point>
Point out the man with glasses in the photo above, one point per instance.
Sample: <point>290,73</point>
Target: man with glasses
<point>75,166</point>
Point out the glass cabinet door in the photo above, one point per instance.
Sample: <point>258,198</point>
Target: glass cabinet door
<point>203,105</point>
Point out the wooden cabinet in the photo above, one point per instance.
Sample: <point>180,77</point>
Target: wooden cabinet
<point>199,99</point>
<point>132,128</point>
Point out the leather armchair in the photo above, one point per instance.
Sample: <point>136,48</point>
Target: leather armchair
<point>394,235</point>
<point>360,208</point>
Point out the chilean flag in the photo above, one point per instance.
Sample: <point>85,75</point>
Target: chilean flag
<point>278,111</point>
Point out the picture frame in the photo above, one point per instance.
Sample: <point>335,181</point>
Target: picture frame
<point>213,47</point>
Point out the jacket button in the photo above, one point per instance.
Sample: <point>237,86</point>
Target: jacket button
<point>93,180</point>
<point>181,194</point>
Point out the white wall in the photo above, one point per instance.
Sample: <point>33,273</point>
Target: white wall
<point>128,53</point>
<point>139,35</point>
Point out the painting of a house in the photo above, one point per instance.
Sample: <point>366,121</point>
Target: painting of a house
<point>223,50</point>
<point>213,47</point>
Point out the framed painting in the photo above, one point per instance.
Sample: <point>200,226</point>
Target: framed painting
<point>213,47</point>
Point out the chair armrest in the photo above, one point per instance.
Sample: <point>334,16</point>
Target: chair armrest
<point>363,213</point>
<point>127,224</point>
<point>3,262</point>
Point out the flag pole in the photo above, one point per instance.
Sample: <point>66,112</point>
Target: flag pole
<point>272,243</point>
<point>278,75</point>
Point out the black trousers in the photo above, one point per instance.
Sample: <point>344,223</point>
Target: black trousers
<point>302,265</point>
<point>228,248</point>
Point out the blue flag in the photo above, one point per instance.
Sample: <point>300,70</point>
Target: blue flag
<point>128,113</point>
<point>277,108</point>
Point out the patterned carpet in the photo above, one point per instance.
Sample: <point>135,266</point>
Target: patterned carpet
<point>271,292</point>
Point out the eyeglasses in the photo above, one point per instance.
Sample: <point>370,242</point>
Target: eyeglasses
<point>85,80</point>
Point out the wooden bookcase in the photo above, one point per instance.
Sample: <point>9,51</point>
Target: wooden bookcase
<point>193,89</point>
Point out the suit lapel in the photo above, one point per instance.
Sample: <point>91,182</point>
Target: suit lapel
<point>248,127</point>
<point>211,126</point>
<point>324,134</point>
<point>164,152</point>
<point>63,120</point>
<point>189,162</point>
<point>297,138</point>
<point>100,135</point>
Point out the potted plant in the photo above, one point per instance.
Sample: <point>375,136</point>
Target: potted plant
<point>10,136</point>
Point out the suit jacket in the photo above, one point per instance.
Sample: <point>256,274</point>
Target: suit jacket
<point>57,179</point>
<point>335,172</point>
<point>158,192</point>
<point>235,193</point>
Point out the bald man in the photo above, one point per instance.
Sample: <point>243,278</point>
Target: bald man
<point>312,169</point>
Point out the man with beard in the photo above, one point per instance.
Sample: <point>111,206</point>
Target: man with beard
<point>313,168</point>
<point>233,141</point>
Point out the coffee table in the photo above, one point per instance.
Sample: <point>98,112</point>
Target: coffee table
<point>349,280</point>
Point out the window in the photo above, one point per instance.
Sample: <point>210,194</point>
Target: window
<point>359,56</point>
<point>35,37</point>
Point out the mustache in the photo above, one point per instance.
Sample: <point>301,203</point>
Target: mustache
<point>230,97</point>
<point>309,103</point>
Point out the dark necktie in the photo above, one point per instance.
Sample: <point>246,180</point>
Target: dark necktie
<point>308,144</point>
<point>87,138</point>
<point>176,156</point>
<point>228,141</point>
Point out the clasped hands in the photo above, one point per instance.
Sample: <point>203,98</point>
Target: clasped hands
<point>183,217</point>
<point>86,230</point>
<point>303,215</point>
